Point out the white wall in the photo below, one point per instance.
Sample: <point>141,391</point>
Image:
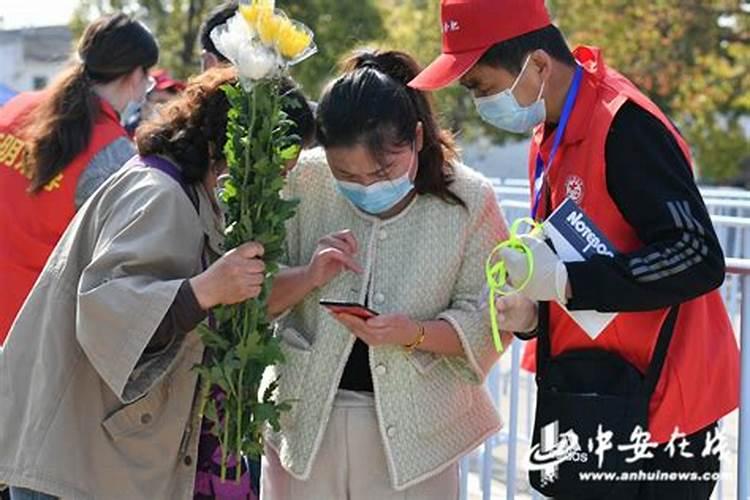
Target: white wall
<point>11,55</point>
<point>19,72</point>
<point>36,69</point>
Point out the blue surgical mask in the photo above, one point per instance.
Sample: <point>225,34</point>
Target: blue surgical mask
<point>131,115</point>
<point>503,111</point>
<point>380,196</point>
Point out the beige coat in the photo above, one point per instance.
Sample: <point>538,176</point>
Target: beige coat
<point>82,416</point>
<point>427,262</point>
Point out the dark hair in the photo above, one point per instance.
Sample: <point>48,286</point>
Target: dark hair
<point>216,17</point>
<point>511,54</point>
<point>61,127</point>
<point>371,105</point>
<point>192,127</point>
<point>298,110</point>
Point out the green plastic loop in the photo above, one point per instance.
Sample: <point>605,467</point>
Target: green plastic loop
<point>497,275</point>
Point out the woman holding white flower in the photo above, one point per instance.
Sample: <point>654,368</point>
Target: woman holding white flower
<point>388,218</point>
<point>98,392</point>
<point>99,377</point>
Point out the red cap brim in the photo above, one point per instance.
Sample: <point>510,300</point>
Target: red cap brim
<point>175,85</point>
<point>446,69</point>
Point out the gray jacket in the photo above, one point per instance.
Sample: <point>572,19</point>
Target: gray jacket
<point>82,414</point>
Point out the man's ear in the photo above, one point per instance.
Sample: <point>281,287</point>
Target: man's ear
<point>541,63</point>
<point>208,60</point>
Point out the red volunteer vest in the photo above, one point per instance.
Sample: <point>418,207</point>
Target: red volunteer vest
<point>32,223</point>
<point>700,379</point>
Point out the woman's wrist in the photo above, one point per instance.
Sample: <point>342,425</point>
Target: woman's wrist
<point>201,290</point>
<point>418,338</point>
<point>309,278</point>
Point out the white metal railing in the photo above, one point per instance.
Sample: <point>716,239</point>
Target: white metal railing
<point>506,382</point>
<point>721,192</point>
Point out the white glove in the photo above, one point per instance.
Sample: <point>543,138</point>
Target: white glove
<point>549,279</point>
<point>516,313</point>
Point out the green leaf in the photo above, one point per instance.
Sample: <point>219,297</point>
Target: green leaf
<point>265,411</point>
<point>210,338</point>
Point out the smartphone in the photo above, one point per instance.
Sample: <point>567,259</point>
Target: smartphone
<point>352,308</point>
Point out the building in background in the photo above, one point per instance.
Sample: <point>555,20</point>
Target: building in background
<point>6,94</point>
<point>31,57</point>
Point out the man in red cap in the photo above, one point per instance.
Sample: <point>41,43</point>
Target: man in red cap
<point>165,88</point>
<point>602,143</point>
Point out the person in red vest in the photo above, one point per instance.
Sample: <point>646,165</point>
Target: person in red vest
<point>58,145</point>
<point>601,142</point>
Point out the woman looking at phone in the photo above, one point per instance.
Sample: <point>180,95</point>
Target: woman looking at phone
<point>389,219</point>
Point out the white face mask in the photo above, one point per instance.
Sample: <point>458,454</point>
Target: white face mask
<point>503,111</point>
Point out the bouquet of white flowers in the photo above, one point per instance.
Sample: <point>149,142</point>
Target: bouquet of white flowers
<point>262,43</point>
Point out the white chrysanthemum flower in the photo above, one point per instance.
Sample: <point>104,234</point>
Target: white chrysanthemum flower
<point>236,41</point>
<point>257,62</point>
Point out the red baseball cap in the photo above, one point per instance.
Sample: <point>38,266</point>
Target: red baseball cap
<point>470,27</point>
<point>164,81</point>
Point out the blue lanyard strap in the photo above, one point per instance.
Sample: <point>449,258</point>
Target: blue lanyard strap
<point>542,169</point>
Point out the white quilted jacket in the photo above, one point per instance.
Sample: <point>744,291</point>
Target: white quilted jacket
<point>427,262</point>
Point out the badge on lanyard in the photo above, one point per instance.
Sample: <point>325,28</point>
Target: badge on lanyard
<point>542,170</point>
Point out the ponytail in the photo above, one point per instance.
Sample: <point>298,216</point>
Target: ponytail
<point>61,127</point>
<point>371,104</point>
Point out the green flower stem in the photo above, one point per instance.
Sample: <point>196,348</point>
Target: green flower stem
<point>253,107</point>
<point>205,393</point>
<point>224,442</point>
<point>238,469</point>
<point>242,344</point>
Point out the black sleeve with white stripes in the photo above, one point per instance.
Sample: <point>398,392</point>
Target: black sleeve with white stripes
<point>651,183</point>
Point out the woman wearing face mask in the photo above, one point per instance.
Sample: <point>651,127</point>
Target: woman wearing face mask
<point>388,218</point>
<point>57,146</point>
